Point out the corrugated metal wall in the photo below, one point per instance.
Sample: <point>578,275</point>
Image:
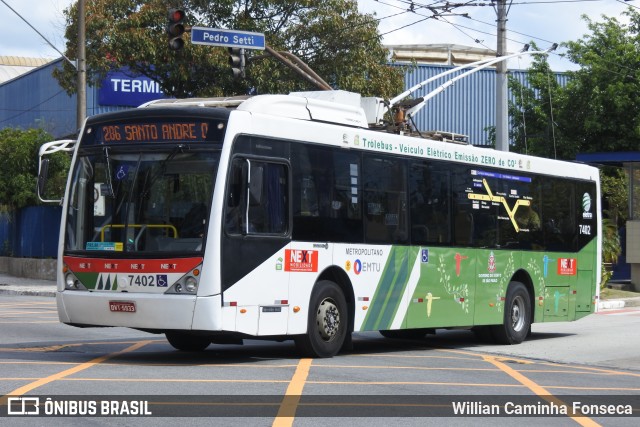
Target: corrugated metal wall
<point>30,232</point>
<point>468,107</point>
<point>36,100</point>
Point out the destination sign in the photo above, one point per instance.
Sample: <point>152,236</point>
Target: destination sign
<point>154,132</point>
<point>227,38</point>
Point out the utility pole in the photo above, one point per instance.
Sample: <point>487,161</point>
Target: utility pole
<point>81,92</point>
<point>502,112</point>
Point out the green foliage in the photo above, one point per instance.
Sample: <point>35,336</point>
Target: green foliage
<point>601,104</point>
<point>19,166</point>
<point>332,37</point>
<point>534,131</point>
<point>614,185</point>
<point>598,110</point>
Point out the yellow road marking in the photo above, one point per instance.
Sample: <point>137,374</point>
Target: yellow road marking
<point>38,314</point>
<point>602,371</point>
<point>289,404</point>
<point>539,390</point>
<point>22,322</point>
<point>30,304</point>
<point>42,381</point>
<point>12,312</point>
<point>417,368</point>
<point>416,356</point>
<point>414,383</point>
<point>179,380</point>
<point>561,387</point>
<point>61,346</point>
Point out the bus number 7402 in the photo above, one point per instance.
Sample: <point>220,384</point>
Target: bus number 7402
<point>142,280</point>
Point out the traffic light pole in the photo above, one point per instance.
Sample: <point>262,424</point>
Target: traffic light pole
<point>81,87</point>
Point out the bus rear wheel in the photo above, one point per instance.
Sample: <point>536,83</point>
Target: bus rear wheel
<point>327,322</point>
<point>187,342</point>
<point>517,316</point>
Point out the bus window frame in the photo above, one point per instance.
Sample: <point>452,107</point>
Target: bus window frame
<point>244,206</point>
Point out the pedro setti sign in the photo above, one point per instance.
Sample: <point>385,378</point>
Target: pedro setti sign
<point>125,88</point>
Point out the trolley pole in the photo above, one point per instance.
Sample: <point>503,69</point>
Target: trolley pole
<point>502,112</point>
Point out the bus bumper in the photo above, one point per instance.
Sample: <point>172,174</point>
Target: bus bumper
<point>152,311</point>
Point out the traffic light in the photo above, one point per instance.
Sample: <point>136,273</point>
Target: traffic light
<point>175,29</point>
<point>237,62</point>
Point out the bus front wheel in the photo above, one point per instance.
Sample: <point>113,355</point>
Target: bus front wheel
<point>517,316</point>
<point>187,342</point>
<point>327,322</point>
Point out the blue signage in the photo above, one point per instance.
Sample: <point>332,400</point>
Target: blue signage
<point>227,38</point>
<point>125,88</point>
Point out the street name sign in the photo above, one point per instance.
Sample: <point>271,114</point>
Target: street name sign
<point>227,38</point>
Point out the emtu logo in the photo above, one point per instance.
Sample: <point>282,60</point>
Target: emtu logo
<point>586,206</point>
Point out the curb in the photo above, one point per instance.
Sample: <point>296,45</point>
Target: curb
<point>611,304</point>
<point>27,292</point>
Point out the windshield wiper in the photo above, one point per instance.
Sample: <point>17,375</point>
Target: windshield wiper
<point>107,189</point>
<point>161,169</point>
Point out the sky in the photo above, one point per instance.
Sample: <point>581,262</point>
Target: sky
<point>543,21</point>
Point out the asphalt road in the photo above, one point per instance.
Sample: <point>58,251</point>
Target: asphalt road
<point>383,382</point>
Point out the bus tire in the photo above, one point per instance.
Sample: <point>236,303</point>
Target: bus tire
<point>517,316</point>
<point>327,322</point>
<point>187,342</point>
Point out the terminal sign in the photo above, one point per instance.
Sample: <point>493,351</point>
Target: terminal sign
<point>227,38</point>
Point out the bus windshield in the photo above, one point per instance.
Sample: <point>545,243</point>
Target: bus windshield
<point>143,185</point>
<point>141,199</point>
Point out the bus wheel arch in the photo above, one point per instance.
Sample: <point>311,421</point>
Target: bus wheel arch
<point>517,316</point>
<point>329,321</point>
<point>340,278</point>
<point>524,277</point>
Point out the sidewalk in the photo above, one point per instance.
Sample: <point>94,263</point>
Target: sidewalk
<point>10,285</point>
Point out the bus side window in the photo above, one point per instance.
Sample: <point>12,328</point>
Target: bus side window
<point>385,200</point>
<point>257,198</point>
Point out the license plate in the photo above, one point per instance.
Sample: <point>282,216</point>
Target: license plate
<point>122,306</point>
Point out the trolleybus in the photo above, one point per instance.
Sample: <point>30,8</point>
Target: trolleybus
<point>290,217</point>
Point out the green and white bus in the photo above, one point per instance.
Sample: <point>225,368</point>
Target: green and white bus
<point>289,217</point>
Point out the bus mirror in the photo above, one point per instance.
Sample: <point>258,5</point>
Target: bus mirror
<point>43,171</point>
<point>255,185</point>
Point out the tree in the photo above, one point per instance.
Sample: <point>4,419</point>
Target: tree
<point>533,129</point>
<point>19,167</point>
<point>600,108</point>
<point>340,44</point>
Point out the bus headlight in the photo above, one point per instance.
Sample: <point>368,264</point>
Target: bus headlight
<point>72,283</point>
<point>191,285</point>
<point>187,284</point>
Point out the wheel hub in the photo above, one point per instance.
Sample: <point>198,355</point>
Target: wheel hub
<point>328,319</point>
<point>517,316</point>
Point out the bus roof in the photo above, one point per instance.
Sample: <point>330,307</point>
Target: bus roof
<point>350,109</point>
